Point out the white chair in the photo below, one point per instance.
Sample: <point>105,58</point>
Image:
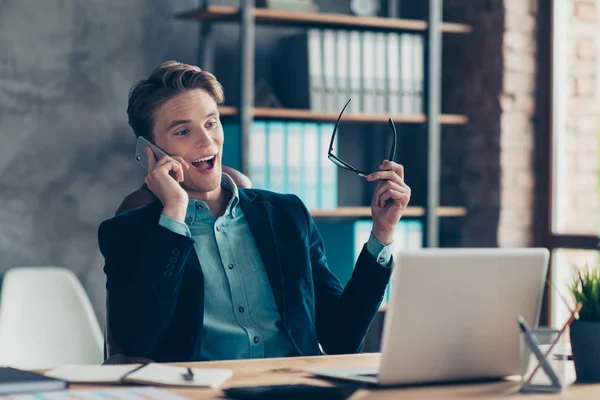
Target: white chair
<point>46,319</point>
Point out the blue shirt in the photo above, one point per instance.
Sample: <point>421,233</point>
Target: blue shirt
<point>241,319</point>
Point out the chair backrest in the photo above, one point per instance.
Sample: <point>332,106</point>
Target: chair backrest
<point>46,319</point>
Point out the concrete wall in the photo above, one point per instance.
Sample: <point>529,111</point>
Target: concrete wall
<point>65,147</point>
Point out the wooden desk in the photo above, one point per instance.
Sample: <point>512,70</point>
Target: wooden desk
<point>284,370</point>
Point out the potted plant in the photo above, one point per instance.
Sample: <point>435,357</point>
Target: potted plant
<point>585,331</point>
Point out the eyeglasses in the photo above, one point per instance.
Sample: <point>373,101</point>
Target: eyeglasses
<point>343,164</point>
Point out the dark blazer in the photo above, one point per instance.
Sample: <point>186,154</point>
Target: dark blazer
<point>155,284</point>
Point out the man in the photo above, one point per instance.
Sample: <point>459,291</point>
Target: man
<point>213,271</point>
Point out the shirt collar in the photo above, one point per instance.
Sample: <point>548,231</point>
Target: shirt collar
<point>227,184</point>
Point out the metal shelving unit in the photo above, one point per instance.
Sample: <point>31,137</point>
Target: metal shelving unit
<point>247,16</point>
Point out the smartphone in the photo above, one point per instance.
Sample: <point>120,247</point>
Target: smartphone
<point>140,152</point>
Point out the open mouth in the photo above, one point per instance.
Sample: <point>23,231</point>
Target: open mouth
<point>205,164</point>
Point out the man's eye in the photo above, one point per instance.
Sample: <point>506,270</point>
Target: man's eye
<point>211,124</point>
<point>182,132</point>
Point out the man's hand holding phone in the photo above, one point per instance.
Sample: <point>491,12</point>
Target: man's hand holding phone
<point>165,186</point>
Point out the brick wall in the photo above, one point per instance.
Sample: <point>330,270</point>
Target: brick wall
<point>517,104</point>
<point>473,85</point>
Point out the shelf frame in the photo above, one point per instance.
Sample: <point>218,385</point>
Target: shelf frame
<point>433,96</point>
<point>365,212</point>
<point>248,16</point>
<point>266,16</point>
<point>247,45</point>
<point>319,116</point>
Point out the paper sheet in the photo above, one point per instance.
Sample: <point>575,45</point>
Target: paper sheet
<point>91,373</point>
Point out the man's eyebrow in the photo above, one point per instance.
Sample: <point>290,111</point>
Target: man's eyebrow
<point>211,114</point>
<point>178,122</point>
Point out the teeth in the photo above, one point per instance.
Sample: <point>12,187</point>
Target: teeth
<point>205,158</point>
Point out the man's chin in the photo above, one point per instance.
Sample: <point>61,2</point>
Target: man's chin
<point>197,181</point>
<point>204,186</point>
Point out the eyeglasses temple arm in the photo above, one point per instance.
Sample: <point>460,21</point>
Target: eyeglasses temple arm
<point>336,125</point>
<point>393,152</point>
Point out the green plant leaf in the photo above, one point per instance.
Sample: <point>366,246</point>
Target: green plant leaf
<point>585,288</point>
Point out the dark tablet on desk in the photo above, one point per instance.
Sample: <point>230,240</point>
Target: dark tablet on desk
<point>288,392</point>
<point>18,381</point>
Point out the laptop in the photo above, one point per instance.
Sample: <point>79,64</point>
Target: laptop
<point>451,315</point>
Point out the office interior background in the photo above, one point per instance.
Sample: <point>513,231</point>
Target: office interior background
<point>517,116</point>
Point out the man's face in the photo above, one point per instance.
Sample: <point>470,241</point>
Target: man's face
<point>188,126</point>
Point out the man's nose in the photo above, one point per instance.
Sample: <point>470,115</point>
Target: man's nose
<point>203,138</point>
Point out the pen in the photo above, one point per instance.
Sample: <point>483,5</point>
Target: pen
<point>189,375</point>
<point>564,327</point>
<point>533,345</point>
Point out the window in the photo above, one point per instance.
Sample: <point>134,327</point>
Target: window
<point>574,152</point>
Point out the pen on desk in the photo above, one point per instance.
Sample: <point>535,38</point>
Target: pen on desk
<point>562,330</point>
<point>189,376</point>
<point>533,345</point>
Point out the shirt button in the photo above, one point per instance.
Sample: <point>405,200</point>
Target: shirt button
<point>199,206</point>
<point>256,339</point>
<point>241,309</point>
<point>219,228</point>
<point>230,266</point>
<point>175,252</point>
<point>168,274</point>
<point>381,260</point>
<point>190,219</point>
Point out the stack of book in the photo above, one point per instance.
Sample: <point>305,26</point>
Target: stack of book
<point>290,157</point>
<point>321,68</point>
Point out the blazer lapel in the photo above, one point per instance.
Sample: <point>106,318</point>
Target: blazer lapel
<point>260,217</point>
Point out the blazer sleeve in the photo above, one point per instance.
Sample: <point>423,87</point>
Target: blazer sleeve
<point>344,315</point>
<point>144,265</point>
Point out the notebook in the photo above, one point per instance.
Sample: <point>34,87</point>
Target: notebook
<point>18,381</point>
<point>160,374</point>
<point>153,374</point>
<point>129,393</point>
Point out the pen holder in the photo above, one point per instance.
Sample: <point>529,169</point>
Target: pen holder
<point>542,370</point>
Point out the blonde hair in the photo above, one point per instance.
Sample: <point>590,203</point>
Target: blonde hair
<point>165,82</point>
